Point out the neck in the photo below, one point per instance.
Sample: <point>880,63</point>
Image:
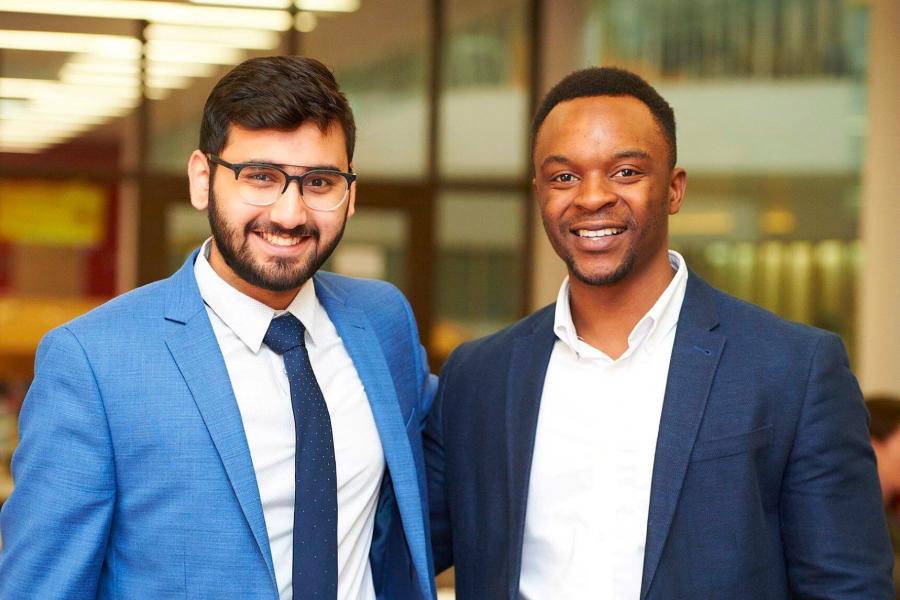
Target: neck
<point>605,315</point>
<point>272,299</point>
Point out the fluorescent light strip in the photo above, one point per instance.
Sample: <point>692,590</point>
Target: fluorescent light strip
<point>328,5</point>
<point>193,52</point>
<point>39,89</point>
<point>100,65</point>
<point>233,37</point>
<point>156,12</point>
<point>58,41</point>
<point>284,4</point>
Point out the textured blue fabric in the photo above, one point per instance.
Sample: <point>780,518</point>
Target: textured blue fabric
<point>133,475</point>
<point>315,480</point>
<point>764,482</point>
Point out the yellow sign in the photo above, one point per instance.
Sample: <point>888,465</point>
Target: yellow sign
<point>52,213</point>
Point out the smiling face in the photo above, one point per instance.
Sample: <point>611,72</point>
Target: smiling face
<point>605,189</point>
<point>268,252</point>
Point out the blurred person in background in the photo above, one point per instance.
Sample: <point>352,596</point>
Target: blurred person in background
<point>249,427</point>
<point>646,436</point>
<point>884,426</point>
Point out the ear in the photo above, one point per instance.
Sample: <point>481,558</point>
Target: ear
<point>200,180</point>
<point>351,202</point>
<point>677,185</point>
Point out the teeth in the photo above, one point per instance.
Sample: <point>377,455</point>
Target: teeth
<point>277,240</point>
<point>598,233</point>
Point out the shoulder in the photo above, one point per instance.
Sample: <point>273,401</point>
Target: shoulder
<point>752,331</point>
<point>380,300</point>
<point>753,322</point>
<point>490,349</point>
<point>125,318</point>
<point>357,290</point>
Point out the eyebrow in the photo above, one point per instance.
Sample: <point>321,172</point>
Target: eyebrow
<point>555,158</point>
<point>630,153</point>
<point>263,161</point>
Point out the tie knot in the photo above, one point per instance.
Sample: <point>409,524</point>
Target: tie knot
<point>284,333</point>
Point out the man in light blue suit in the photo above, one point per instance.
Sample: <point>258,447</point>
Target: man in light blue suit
<point>647,436</point>
<point>247,428</point>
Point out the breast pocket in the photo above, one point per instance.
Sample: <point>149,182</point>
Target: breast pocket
<point>731,445</point>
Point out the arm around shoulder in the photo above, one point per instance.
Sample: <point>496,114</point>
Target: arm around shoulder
<point>833,526</point>
<point>56,523</point>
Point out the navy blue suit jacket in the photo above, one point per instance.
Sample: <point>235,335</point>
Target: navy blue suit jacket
<point>764,482</point>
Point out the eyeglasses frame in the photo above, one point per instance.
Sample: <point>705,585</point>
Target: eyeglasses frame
<point>236,168</point>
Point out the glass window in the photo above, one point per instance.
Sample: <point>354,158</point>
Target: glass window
<point>380,56</point>
<point>479,268</point>
<point>769,97</point>
<point>484,102</point>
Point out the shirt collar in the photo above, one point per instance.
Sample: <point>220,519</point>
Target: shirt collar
<point>248,318</point>
<point>650,329</point>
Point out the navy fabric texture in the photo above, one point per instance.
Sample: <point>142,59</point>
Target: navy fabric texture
<point>315,475</point>
<point>764,481</point>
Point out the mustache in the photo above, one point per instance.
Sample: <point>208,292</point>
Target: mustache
<point>273,229</point>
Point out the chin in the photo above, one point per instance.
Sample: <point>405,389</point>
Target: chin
<point>599,276</point>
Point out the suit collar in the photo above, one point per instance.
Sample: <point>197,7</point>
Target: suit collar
<point>695,357</point>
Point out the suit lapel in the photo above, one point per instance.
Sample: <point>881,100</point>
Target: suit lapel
<point>695,356</point>
<point>365,350</point>
<point>197,355</point>
<point>525,383</point>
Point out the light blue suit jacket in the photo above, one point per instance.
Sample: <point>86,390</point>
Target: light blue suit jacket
<point>133,475</point>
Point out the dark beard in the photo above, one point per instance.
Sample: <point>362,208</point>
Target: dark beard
<point>622,271</point>
<point>279,274</point>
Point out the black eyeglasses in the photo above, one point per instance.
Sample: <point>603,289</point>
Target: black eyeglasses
<point>262,184</point>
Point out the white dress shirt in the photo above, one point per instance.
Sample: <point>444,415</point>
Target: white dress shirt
<point>260,385</point>
<point>589,491</point>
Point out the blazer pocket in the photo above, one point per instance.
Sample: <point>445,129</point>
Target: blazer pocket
<point>731,445</point>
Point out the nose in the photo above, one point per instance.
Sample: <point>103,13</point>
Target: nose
<point>595,192</point>
<point>289,210</point>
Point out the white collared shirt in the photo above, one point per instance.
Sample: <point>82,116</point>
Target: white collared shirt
<point>589,490</point>
<point>263,395</point>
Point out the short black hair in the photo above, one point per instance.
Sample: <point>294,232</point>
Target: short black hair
<point>609,81</point>
<point>275,92</point>
<point>884,416</point>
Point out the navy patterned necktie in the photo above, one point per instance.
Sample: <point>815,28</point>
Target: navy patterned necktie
<point>315,500</point>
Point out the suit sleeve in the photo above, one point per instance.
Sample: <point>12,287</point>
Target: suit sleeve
<point>56,523</point>
<point>441,539</point>
<point>833,526</point>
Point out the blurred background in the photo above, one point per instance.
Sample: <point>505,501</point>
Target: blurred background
<point>787,126</point>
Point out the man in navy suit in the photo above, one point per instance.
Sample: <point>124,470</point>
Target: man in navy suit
<point>646,436</point>
<point>249,428</point>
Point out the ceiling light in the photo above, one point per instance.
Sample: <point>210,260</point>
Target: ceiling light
<point>328,5</point>
<point>58,41</point>
<point>235,37</point>
<point>306,22</point>
<point>193,52</point>
<point>156,12</point>
<point>248,3</point>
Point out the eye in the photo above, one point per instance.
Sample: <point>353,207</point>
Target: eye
<point>564,178</point>
<point>260,176</point>
<point>626,173</point>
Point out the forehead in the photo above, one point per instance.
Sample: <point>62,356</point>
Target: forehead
<point>598,124</point>
<point>305,145</point>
